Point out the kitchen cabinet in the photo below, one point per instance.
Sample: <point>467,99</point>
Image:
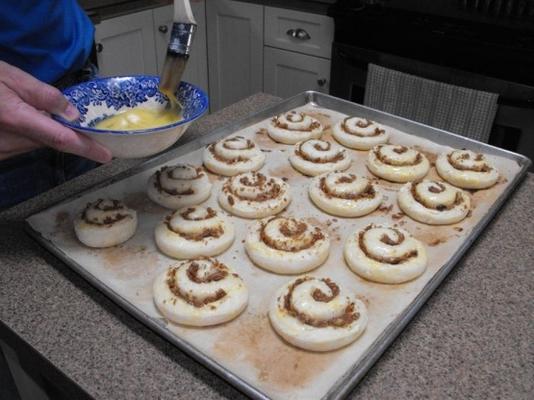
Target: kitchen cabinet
<point>297,52</point>
<point>287,73</point>
<point>125,45</point>
<point>196,71</point>
<point>235,49</point>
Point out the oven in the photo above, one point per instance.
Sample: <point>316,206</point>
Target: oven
<point>449,41</point>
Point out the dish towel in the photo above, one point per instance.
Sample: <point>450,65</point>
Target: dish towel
<point>456,109</point>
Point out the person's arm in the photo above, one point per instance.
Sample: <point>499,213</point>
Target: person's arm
<point>25,103</point>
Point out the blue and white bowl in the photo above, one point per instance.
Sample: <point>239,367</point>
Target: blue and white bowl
<point>101,98</point>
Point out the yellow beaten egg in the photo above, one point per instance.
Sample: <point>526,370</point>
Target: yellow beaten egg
<point>139,118</point>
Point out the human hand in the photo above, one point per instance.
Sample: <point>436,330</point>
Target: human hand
<point>25,103</point>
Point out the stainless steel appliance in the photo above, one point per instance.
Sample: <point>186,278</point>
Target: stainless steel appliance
<point>484,44</point>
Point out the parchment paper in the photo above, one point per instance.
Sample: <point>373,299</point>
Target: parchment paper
<point>248,346</point>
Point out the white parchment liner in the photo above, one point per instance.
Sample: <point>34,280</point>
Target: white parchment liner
<point>248,346</point>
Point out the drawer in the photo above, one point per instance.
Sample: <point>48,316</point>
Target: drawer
<point>299,31</point>
<point>287,73</point>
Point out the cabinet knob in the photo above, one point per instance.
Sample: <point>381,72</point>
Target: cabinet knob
<point>321,82</point>
<point>299,33</point>
<point>163,28</point>
<point>99,47</point>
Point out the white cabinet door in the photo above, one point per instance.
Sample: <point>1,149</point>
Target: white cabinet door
<point>196,70</point>
<point>235,48</point>
<point>288,73</point>
<point>126,45</point>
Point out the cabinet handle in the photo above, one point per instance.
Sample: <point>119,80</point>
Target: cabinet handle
<point>321,82</point>
<point>163,28</point>
<point>299,33</point>
<point>99,47</point>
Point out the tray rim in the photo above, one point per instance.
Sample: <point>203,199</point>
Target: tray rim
<point>358,370</point>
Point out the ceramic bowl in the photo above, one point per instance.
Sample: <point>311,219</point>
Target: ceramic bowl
<point>101,98</point>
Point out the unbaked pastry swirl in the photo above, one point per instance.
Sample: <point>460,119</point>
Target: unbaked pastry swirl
<point>287,245</point>
<point>397,163</point>
<point>433,202</point>
<point>344,194</point>
<point>466,169</point>
<point>254,195</point>
<point>294,127</point>
<point>200,292</point>
<point>194,231</point>
<point>179,186</point>
<point>314,157</point>
<point>385,254</point>
<point>232,156</point>
<point>317,314</point>
<point>359,133</point>
<point>105,223</point>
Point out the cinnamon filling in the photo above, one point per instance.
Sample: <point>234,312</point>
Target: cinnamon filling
<point>361,124</point>
<point>440,207</point>
<point>465,156</point>
<point>367,193</point>
<point>284,125</point>
<point>268,189</point>
<point>293,230</point>
<point>389,241</point>
<point>348,317</point>
<point>188,297</point>
<point>210,213</point>
<point>218,157</point>
<point>174,192</point>
<point>101,206</point>
<point>320,160</point>
<point>219,273</point>
<point>214,232</point>
<point>386,160</point>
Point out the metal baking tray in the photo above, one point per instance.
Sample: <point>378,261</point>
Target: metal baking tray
<point>38,224</point>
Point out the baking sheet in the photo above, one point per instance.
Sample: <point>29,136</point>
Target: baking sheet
<point>246,351</point>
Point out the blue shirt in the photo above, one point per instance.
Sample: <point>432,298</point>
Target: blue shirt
<point>46,38</point>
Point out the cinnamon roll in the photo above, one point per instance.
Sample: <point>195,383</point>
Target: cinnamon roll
<point>105,223</point>
<point>194,231</point>
<point>317,314</point>
<point>287,245</point>
<point>466,169</point>
<point>232,156</point>
<point>397,163</point>
<point>344,194</point>
<point>314,157</point>
<point>200,292</point>
<point>359,133</point>
<point>385,254</point>
<point>433,202</point>
<point>254,195</point>
<point>294,127</point>
<point>179,186</point>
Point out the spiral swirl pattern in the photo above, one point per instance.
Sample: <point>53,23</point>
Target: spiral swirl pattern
<point>385,254</point>
<point>194,231</point>
<point>254,195</point>
<point>397,163</point>
<point>433,202</point>
<point>200,292</point>
<point>314,157</point>
<point>317,314</point>
<point>105,223</point>
<point>359,133</point>
<point>232,156</point>
<point>293,127</point>
<point>344,194</point>
<point>287,245</point>
<point>466,169</point>
<point>179,186</point>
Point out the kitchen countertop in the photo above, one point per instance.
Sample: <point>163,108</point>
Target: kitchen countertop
<point>473,339</point>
